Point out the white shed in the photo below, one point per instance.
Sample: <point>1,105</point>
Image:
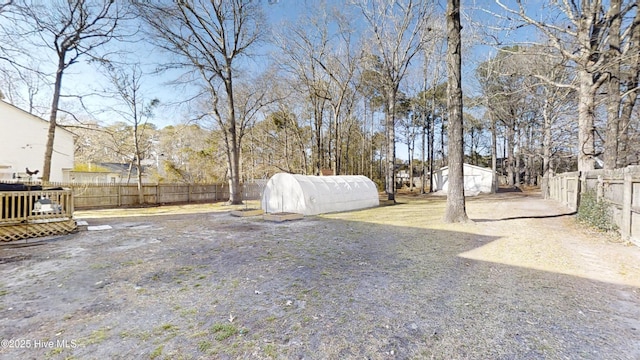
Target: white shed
<point>476,179</point>
<point>312,195</point>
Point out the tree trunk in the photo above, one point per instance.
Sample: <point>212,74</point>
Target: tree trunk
<point>338,147</point>
<point>455,210</point>
<point>432,127</point>
<point>511,135</point>
<point>494,155</point>
<point>443,160</point>
<point>136,148</point>
<point>391,144</point>
<point>363,147</point>
<point>613,101</point>
<point>546,150</point>
<point>424,148</point>
<point>518,180</point>
<point>629,101</point>
<point>285,150</point>
<point>625,120</point>
<point>586,115</point>
<point>317,160</point>
<point>530,171</point>
<point>518,158</point>
<point>235,196</point>
<point>373,154</point>
<point>53,117</point>
<point>432,130</point>
<point>410,154</point>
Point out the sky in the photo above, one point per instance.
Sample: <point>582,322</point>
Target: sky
<point>83,78</point>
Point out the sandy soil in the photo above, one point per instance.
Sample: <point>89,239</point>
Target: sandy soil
<point>523,281</point>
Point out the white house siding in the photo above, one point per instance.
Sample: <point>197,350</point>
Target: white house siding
<point>23,139</point>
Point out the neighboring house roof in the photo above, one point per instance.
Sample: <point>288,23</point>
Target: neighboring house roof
<point>111,168</point>
<point>121,168</point>
<point>3,103</point>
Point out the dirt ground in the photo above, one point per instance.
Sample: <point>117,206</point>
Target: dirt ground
<point>523,281</point>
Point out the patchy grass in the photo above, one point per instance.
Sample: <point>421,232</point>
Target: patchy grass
<point>271,351</point>
<point>205,345</point>
<point>224,331</point>
<point>97,336</point>
<point>157,352</point>
<point>166,328</point>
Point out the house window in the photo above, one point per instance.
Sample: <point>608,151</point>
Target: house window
<point>113,180</point>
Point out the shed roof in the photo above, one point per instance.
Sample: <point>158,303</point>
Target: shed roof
<point>467,165</point>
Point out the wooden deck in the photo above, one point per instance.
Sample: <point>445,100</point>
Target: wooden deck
<point>30,214</point>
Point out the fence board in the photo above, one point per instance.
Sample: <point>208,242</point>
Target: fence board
<point>111,195</point>
<point>620,188</point>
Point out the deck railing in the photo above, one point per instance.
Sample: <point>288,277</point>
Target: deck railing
<point>27,214</point>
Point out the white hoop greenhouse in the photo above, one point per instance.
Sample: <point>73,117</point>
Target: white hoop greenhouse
<point>312,195</point>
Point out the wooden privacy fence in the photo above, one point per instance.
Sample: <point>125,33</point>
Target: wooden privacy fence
<point>112,195</point>
<point>620,188</point>
<point>565,188</point>
<point>35,213</point>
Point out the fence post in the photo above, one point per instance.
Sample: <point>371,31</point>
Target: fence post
<point>627,198</point>
<point>71,204</point>
<point>564,191</point>
<point>582,176</point>
<point>600,188</point>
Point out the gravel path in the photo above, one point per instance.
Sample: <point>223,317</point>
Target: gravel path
<point>521,282</point>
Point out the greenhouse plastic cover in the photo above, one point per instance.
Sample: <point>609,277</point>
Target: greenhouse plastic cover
<point>312,195</point>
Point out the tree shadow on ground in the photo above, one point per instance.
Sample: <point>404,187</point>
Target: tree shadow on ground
<point>528,217</point>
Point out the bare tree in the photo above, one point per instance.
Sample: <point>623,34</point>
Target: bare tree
<point>629,85</point>
<point>396,28</point>
<point>184,154</point>
<point>322,55</point>
<point>553,104</point>
<point>4,5</point>
<point>71,30</point>
<point>613,85</point>
<point>456,209</point>
<point>587,34</point>
<point>251,99</point>
<point>503,81</point>
<point>340,66</point>
<point>209,38</point>
<point>134,109</point>
<point>22,86</point>
<point>529,111</point>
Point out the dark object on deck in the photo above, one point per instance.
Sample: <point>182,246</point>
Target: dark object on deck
<point>20,187</point>
<point>31,173</point>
